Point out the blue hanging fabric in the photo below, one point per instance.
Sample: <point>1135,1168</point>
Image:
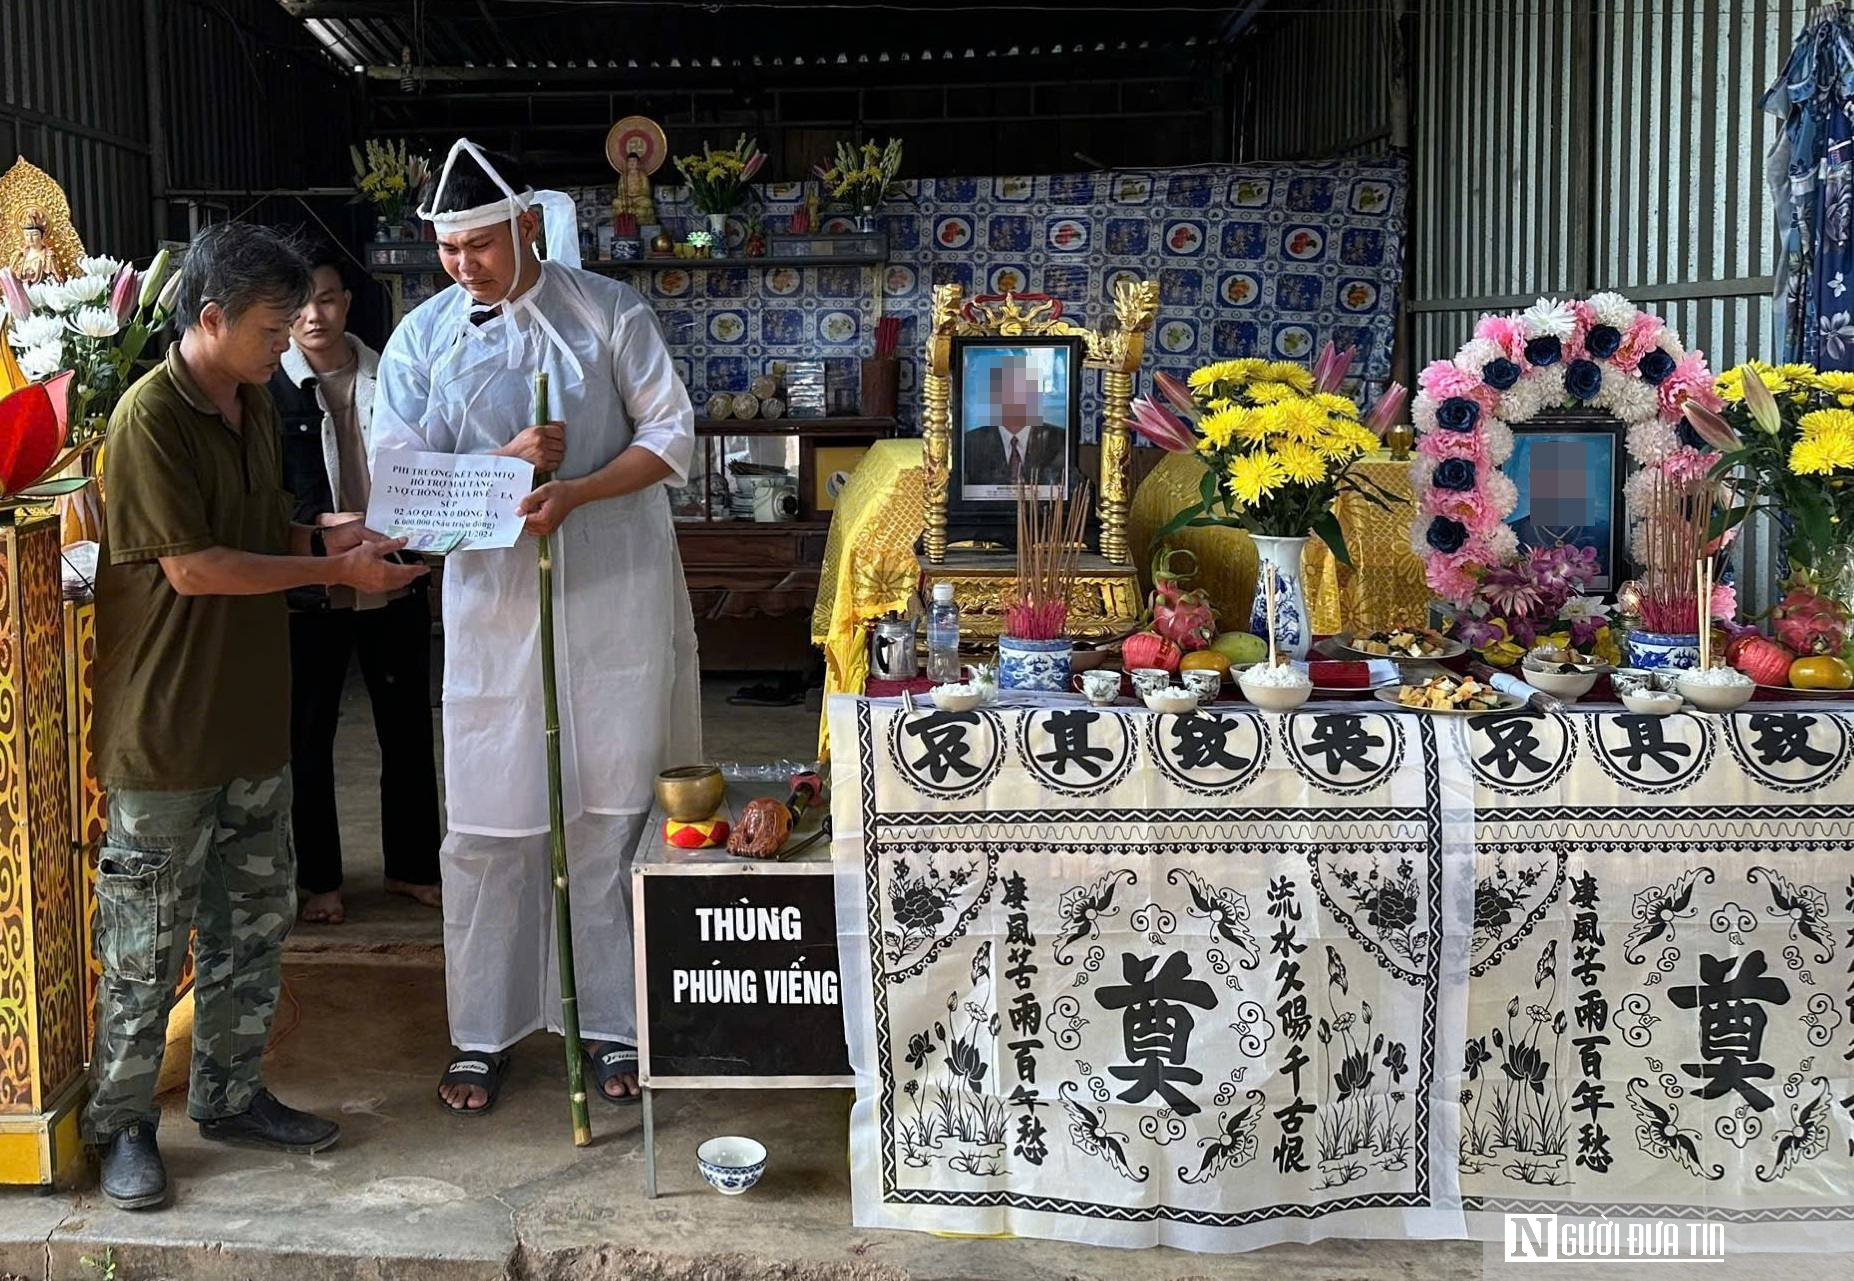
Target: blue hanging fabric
<point>1809,170</point>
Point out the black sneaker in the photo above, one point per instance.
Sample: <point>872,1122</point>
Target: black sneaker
<point>133,1176</point>
<point>269,1124</point>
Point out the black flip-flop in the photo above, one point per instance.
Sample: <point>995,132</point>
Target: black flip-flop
<point>608,1065</point>
<point>471,1068</point>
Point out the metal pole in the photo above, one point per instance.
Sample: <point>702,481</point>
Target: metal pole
<point>650,1144</point>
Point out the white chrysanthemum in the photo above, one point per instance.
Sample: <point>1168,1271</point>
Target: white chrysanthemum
<point>1499,438</point>
<point>86,289</point>
<point>1613,309</point>
<point>35,331</point>
<point>1471,358</point>
<point>1502,493</point>
<point>1636,488</point>
<point>100,265</point>
<point>1627,396</point>
<point>1422,472</point>
<point>1638,543</point>
<point>1651,441</point>
<point>1423,413</point>
<point>1549,317</point>
<point>41,362</point>
<point>1522,401</point>
<point>96,322</point>
<point>1502,543</point>
<point>1671,344</point>
<point>1419,537</point>
<point>48,295</point>
<point>1551,385</point>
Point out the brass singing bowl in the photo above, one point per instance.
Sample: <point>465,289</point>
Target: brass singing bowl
<point>691,793</point>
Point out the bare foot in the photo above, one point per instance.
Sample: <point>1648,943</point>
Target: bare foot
<point>464,1098</point>
<point>625,1084</point>
<point>323,909</point>
<point>429,895</point>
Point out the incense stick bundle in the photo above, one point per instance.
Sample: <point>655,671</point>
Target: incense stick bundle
<point>1049,540</point>
<point>1672,539</point>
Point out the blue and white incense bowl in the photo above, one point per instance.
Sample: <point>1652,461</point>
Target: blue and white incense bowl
<point>1040,665</point>
<point>1655,651</point>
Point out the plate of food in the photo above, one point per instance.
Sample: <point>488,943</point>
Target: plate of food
<point>1400,645</point>
<point>1564,660</point>
<point>1451,696</point>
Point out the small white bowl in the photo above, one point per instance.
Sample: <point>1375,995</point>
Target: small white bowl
<point>1171,699</point>
<point>948,699</point>
<point>1715,698</point>
<point>1568,686</point>
<point>731,1164</point>
<point>1275,698</point>
<point>1651,702</point>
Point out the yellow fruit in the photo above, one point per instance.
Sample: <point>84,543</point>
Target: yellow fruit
<point>1821,671</point>
<point>1205,660</point>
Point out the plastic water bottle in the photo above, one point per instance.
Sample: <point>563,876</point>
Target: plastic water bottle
<point>943,636</point>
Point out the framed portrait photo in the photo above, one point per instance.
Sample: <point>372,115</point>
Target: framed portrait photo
<point>1016,411</point>
<point>1568,468</point>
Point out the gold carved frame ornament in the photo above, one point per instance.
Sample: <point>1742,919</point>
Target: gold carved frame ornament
<point>1115,352</point>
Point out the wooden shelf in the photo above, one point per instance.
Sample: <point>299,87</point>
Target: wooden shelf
<point>809,427</point>
<point>618,265</point>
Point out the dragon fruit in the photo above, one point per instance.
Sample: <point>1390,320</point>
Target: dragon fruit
<point>1183,617</point>
<point>1808,621</point>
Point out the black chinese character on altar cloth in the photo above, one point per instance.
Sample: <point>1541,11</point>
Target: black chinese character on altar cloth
<point>1513,744</point>
<point>1343,741</point>
<point>1201,742</point>
<point>1647,739</point>
<point>1781,738</point>
<point>944,748</point>
<point>1157,1027</point>
<point>1732,1023</point>
<point>1069,744</point>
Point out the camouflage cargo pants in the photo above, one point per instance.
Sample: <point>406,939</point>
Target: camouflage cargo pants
<point>219,862</point>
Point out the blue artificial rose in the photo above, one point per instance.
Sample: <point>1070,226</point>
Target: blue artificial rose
<point>1583,379</point>
<point>1457,413</point>
<point>1544,351</point>
<point>1602,341</point>
<point>1500,373</point>
<point>1688,437</point>
<point>1446,535</point>
<point>1655,367</point>
<point>1455,474</point>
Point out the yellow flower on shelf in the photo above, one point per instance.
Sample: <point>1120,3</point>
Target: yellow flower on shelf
<point>1838,383</point>
<point>1284,371</point>
<point>1300,464</point>
<point>1233,371</point>
<point>1732,382</point>
<point>1252,477</point>
<point>1821,454</point>
<point>1219,428</point>
<point>1333,403</point>
<point>1301,420</point>
<point>1797,373</point>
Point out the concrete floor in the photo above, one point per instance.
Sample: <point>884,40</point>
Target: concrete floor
<point>412,1193</point>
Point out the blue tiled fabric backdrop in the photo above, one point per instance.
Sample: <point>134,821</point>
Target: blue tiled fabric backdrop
<point>1253,260</point>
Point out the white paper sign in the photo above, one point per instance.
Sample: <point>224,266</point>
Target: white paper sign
<point>448,502</point>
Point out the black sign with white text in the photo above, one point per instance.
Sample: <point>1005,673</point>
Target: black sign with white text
<point>741,976</point>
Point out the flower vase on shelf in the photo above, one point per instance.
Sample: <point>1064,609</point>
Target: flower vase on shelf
<point>717,228</point>
<point>1039,665</point>
<point>866,221</point>
<point>1281,558</point>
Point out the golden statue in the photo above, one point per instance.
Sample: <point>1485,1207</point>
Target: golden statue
<point>34,262</point>
<point>37,240</point>
<point>636,148</point>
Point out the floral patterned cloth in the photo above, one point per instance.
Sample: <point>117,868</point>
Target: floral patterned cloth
<point>1810,170</point>
<point>1218,981</point>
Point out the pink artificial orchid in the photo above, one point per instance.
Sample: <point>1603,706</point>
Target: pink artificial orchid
<point>1159,425</point>
<point>1176,392</point>
<point>1330,366</point>
<point>1388,410</point>
<point>125,294</point>
<point>14,291</point>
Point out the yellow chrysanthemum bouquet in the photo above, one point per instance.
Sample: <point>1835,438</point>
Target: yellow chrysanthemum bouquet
<point>717,179</point>
<point>1278,444</point>
<point>1786,433</point>
<point>387,174</point>
<point>862,175</point>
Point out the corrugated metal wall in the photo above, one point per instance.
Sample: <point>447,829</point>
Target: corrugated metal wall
<point>73,101</point>
<point>1565,146</point>
<point>1316,83</point>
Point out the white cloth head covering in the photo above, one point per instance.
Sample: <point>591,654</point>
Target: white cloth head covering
<point>560,222</point>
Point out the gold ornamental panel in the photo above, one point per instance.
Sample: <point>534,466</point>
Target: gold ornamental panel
<point>1105,602</point>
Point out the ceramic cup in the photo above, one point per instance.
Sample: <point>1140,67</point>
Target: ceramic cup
<point>1206,683</point>
<point>1147,679</point>
<point>1100,686</point>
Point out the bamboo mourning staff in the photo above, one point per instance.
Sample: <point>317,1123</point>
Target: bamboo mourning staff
<point>563,903</point>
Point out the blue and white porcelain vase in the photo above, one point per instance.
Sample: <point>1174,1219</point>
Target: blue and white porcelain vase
<point>1039,665</point>
<point>1652,650</point>
<point>1281,558</point>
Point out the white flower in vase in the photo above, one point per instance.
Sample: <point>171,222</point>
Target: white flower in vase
<point>96,322</point>
<point>36,330</point>
<point>42,362</point>
<point>99,265</point>
<point>1582,609</point>
<point>49,295</point>
<point>86,289</point>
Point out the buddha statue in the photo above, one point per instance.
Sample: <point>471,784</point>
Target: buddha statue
<point>35,262</point>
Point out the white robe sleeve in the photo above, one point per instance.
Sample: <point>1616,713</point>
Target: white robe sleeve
<point>662,418</point>
<point>402,418</point>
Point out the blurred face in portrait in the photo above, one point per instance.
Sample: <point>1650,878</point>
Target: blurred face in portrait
<point>1013,398</point>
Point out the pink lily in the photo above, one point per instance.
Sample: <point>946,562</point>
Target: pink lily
<point>1389,408</point>
<point>1176,392</point>
<point>753,166</point>
<point>1711,428</point>
<point>1330,366</point>
<point>125,294</point>
<point>1159,425</point>
<point>15,293</point>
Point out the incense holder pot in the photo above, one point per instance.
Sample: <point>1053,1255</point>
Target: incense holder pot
<point>1280,557</point>
<point>1654,651</point>
<point>690,793</point>
<point>1039,665</point>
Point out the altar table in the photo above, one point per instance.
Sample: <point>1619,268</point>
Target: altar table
<point>1226,979</point>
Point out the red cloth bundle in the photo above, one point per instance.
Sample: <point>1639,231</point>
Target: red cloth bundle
<point>1338,674</point>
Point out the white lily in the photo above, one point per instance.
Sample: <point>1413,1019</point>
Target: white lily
<point>86,289</point>
<point>36,330</point>
<point>1550,317</point>
<point>96,322</point>
<point>41,362</point>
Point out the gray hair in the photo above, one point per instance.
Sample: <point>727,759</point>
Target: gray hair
<point>240,265</point>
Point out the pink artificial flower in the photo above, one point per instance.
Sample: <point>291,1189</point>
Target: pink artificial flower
<point>1690,380</point>
<point>1176,392</point>
<point>1438,445</point>
<point>14,291</point>
<point>1508,331</point>
<point>1384,414</point>
<point>1442,379</point>
<point>1644,333</point>
<point>1724,601</point>
<point>1161,426</point>
<point>1687,465</point>
<point>1451,577</point>
<point>1470,507</point>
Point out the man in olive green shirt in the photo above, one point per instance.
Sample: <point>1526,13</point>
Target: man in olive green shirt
<point>193,712</point>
